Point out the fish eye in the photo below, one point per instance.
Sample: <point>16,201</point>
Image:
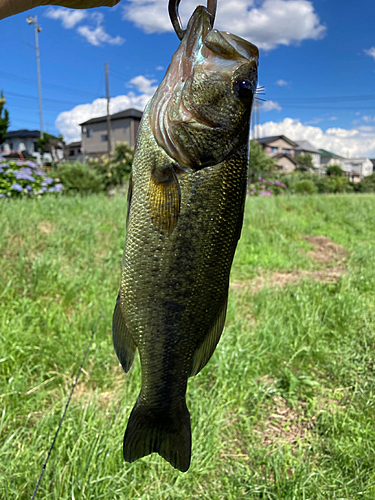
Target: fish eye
<point>244,88</point>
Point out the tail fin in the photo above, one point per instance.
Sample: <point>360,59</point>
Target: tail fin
<point>167,433</point>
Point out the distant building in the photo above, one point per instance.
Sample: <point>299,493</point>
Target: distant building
<point>358,167</point>
<point>73,151</point>
<point>373,164</point>
<point>328,159</point>
<point>124,127</point>
<point>282,150</point>
<point>306,148</point>
<point>26,142</point>
<point>22,141</point>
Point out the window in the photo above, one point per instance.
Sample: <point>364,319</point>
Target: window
<point>35,146</point>
<point>89,132</point>
<point>286,151</point>
<point>104,137</point>
<point>273,150</point>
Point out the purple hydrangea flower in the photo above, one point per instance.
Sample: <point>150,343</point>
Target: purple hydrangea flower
<point>31,164</point>
<point>16,187</point>
<point>59,187</point>
<point>29,188</point>
<point>2,195</point>
<point>27,170</point>
<point>48,181</point>
<point>24,176</point>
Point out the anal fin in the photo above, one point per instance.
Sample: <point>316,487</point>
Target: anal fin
<point>204,352</point>
<point>122,341</point>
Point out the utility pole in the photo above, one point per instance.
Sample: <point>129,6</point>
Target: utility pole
<point>108,115</point>
<point>258,118</point>
<point>38,29</point>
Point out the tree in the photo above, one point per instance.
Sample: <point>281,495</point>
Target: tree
<point>305,162</point>
<point>334,170</point>
<point>4,118</point>
<point>50,144</point>
<point>259,161</point>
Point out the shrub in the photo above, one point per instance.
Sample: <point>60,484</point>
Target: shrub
<point>304,187</point>
<point>263,187</point>
<point>80,178</point>
<point>367,185</point>
<point>335,170</point>
<point>116,168</point>
<point>25,178</point>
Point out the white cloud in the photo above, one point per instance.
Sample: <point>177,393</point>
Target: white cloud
<point>96,35</point>
<point>143,85</point>
<point>355,142</point>
<point>68,122</point>
<point>368,119</point>
<point>270,105</point>
<point>282,83</point>
<point>69,18</point>
<point>370,52</point>
<point>266,23</point>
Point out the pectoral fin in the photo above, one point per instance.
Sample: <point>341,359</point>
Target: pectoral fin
<point>122,341</point>
<point>207,347</point>
<point>164,199</point>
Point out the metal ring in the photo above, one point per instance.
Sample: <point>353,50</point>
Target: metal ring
<point>175,16</point>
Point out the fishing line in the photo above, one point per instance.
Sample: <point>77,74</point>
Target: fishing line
<point>66,407</point>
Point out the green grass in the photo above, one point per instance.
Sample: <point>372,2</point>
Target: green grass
<point>284,409</point>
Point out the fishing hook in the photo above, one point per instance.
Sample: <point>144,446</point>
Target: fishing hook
<point>175,16</point>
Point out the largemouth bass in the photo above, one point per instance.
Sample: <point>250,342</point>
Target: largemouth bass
<point>185,211</point>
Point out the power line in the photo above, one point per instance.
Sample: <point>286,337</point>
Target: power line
<point>364,97</point>
<point>335,108</point>
<point>24,96</point>
<point>30,81</point>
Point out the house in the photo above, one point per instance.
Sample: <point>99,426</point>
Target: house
<point>26,142</point>
<point>328,159</point>
<point>282,150</point>
<point>124,127</point>
<point>306,148</point>
<point>73,151</point>
<point>21,141</point>
<point>358,167</point>
<point>373,164</point>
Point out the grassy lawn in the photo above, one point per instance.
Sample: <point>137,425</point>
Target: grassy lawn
<point>285,409</point>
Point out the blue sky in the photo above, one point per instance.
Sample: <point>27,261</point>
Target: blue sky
<point>317,63</point>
